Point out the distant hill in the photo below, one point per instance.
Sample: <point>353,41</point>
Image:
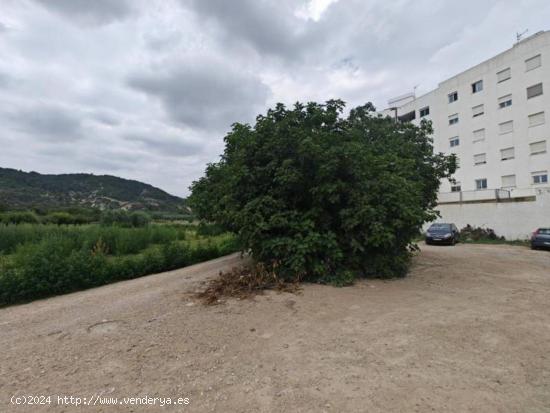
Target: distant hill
<point>24,190</point>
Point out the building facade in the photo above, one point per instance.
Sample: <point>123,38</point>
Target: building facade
<point>496,118</point>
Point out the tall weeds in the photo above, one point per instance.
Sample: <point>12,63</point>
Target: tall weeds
<point>42,260</point>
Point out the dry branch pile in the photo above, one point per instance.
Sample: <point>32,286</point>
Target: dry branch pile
<point>244,282</point>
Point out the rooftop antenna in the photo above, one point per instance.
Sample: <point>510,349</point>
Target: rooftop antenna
<point>414,90</point>
<point>520,35</point>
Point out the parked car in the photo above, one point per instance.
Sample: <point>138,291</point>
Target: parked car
<point>540,238</point>
<point>442,233</point>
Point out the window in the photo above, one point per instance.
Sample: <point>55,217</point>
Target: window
<point>508,181</point>
<point>506,127</point>
<point>477,86</point>
<point>506,154</point>
<point>481,183</point>
<point>424,111</point>
<point>478,110</point>
<point>479,135</point>
<point>540,177</point>
<point>480,159</point>
<point>453,119</point>
<point>456,187</point>
<point>536,119</point>
<point>504,75</point>
<point>537,147</point>
<point>453,97</point>
<point>454,141</point>
<point>533,63</point>
<point>534,91</point>
<point>504,101</point>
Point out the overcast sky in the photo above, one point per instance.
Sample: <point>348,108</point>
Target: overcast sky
<point>146,89</point>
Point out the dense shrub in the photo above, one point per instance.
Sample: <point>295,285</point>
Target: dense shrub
<point>208,230</point>
<point>13,235</point>
<point>50,267</point>
<point>59,218</point>
<point>125,219</point>
<point>72,216</point>
<point>117,240</point>
<point>56,265</point>
<point>470,233</point>
<point>19,217</point>
<point>317,196</point>
<point>167,216</point>
<point>66,218</point>
<point>121,241</point>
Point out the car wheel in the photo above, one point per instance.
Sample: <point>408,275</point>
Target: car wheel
<point>453,242</point>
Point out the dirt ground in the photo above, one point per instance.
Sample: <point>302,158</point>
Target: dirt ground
<point>467,331</point>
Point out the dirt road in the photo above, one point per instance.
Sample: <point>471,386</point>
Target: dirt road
<point>467,331</point>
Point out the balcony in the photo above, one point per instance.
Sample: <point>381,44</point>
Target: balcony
<point>487,195</point>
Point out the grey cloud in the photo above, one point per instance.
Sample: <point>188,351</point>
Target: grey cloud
<point>54,123</point>
<point>205,94</point>
<point>62,150</point>
<point>166,145</point>
<point>265,51</point>
<point>94,163</point>
<point>90,12</point>
<point>105,118</point>
<point>270,27</point>
<point>159,42</point>
<point>5,80</point>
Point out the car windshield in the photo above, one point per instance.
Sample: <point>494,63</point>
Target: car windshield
<point>544,231</point>
<point>440,227</point>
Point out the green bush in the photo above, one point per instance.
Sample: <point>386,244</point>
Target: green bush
<point>50,259</point>
<point>59,218</point>
<point>125,219</point>
<point>12,235</point>
<point>316,196</point>
<point>478,234</point>
<point>19,217</point>
<point>171,217</point>
<point>209,230</point>
<point>176,255</point>
<point>70,216</point>
<point>50,267</point>
<point>117,240</point>
<point>65,218</point>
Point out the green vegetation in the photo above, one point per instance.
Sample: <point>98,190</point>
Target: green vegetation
<point>30,190</point>
<point>39,260</point>
<point>518,242</point>
<point>64,216</point>
<point>125,219</point>
<point>19,217</point>
<point>478,235</point>
<point>317,196</point>
<point>78,216</point>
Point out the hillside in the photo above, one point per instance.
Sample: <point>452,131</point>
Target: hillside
<point>23,190</point>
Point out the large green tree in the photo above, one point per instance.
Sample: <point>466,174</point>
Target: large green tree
<point>319,196</point>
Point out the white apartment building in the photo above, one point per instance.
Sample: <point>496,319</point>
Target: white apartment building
<point>496,118</point>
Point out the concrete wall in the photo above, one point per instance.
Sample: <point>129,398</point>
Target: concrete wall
<point>513,220</point>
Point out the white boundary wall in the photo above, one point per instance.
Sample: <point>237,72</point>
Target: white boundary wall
<point>513,220</point>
